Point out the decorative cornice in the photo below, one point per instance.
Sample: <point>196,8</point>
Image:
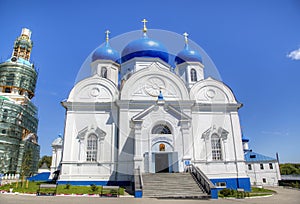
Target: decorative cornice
<point>138,104</point>
<point>92,129</point>
<point>222,133</point>
<point>223,107</point>
<point>182,117</point>
<point>88,106</point>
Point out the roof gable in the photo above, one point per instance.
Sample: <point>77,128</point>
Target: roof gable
<point>168,108</point>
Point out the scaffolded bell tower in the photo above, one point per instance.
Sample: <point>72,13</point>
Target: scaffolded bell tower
<point>19,149</point>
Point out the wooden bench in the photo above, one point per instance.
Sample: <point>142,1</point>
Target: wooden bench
<point>110,191</point>
<point>47,189</point>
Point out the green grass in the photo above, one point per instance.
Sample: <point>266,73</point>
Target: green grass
<point>61,189</point>
<point>254,193</point>
<point>261,190</point>
<point>21,187</point>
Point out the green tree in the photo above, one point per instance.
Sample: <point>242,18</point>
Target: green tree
<point>288,168</point>
<point>27,163</point>
<point>45,159</point>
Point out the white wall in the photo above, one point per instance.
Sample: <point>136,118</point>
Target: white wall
<point>266,176</point>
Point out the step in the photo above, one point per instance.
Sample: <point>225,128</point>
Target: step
<point>172,185</point>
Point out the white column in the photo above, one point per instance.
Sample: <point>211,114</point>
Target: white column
<point>54,158</point>
<point>186,140</point>
<point>224,149</point>
<point>101,152</point>
<point>81,151</point>
<point>138,157</point>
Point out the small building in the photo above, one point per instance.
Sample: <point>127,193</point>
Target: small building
<point>44,168</point>
<point>56,157</point>
<point>262,170</point>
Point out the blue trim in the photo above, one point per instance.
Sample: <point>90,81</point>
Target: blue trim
<point>234,183</point>
<point>214,193</point>
<point>138,194</point>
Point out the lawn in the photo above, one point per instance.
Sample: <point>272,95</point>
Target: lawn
<point>262,190</point>
<point>32,187</point>
<point>255,192</point>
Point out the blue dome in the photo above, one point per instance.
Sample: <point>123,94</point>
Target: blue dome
<point>145,47</point>
<point>188,55</point>
<point>106,53</point>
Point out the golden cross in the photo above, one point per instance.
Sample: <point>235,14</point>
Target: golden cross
<point>186,37</point>
<point>145,28</point>
<point>107,32</point>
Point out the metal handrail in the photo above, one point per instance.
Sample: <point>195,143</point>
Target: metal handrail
<point>138,181</point>
<point>201,178</point>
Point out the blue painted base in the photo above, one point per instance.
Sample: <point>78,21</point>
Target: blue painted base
<point>40,177</point>
<point>234,183</point>
<point>98,183</point>
<point>138,194</point>
<point>214,193</point>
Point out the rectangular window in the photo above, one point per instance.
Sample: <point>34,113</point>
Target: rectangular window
<point>264,180</point>
<point>92,147</point>
<point>216,148</point>
<point>221,184</point>
<point>271,165</point>
<point>261,166</point>
<point>249,167</point>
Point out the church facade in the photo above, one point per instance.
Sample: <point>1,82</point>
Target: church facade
<point>137,112</point>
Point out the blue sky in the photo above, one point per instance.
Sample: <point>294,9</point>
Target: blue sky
<point>249,42</point>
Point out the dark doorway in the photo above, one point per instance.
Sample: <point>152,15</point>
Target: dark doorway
<point>161,163</point>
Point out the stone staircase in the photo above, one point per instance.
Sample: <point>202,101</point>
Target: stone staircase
<point>172,185</point>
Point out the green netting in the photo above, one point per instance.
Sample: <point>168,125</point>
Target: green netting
<point>21,115</point>
<point>14,119</point>
<point>4,98</point>
<point>16,75</point>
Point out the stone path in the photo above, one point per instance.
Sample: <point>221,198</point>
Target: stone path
<point>283,196</point>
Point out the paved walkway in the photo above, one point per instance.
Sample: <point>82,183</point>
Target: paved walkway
<point>283,196</point>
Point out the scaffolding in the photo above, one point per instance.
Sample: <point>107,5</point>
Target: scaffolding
<point>18,75</point>
<point>19,149</point>
<point>18,128</point>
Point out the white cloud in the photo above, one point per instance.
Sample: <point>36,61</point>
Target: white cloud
<point>295,55</point>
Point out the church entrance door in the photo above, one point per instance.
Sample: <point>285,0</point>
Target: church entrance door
<point>161,163</point>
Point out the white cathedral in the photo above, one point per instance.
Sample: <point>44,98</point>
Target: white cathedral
<point>137,112</point>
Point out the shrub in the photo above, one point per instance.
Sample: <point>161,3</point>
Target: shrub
<point>94,187</point>
<point>68,186</point>
<point>225,192</point>
<point>121,191</point>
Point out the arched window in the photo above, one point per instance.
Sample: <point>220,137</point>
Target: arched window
<point>92,148</point>
<point>104,72</point>
<point>216,147</point>
<point>161,129</point>
<point>193,75</point>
